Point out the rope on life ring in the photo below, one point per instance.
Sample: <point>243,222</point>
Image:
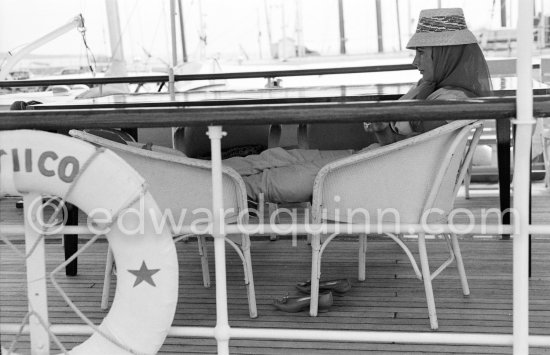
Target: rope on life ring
<point>99,181</point>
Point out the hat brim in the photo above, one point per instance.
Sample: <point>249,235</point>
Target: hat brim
<point>447,38</point>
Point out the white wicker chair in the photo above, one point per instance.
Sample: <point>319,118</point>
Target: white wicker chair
<point>194,142</point>
<point>180,184</point>
<point>410,177</point>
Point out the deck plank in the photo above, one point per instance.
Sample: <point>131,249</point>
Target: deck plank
<point>390,299</point>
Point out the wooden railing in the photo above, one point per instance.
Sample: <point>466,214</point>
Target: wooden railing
<point>222,113</point>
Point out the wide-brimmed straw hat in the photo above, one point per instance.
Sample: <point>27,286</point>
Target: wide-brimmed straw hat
<point>441,27</point>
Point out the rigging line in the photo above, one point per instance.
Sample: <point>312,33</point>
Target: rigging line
<point>153,40</point>
<point>89,52</point>
<point>126,25</point>
<point>123,30</point>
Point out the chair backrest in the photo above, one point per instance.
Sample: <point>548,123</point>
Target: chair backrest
<point>194,142</point>
<point>179,184</point>
<point>332,136</point>
<point>397,182</point>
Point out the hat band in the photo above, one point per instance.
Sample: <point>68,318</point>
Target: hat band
<point>441,24</point>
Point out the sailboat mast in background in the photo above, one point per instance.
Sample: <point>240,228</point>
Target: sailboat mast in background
<point>379,26</point>
<point>398,24</point>
<point>268,27</point>
<point>299,30</point>
<point>182,32</point>
<point>118,63</point>
<point>202,34</point>
<point>503,21</point>
<point>342,27</point>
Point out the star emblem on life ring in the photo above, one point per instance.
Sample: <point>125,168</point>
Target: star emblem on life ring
<point>144,274</point>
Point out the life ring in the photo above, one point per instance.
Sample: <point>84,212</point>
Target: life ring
<point>147,281</point>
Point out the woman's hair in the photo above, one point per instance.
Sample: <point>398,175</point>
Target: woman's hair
<point>461,66</point>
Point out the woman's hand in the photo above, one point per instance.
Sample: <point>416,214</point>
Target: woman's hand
<point>375,126</point>
<point>382,131</point>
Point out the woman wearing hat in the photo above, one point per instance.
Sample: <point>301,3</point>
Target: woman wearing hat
<point>452,67</point>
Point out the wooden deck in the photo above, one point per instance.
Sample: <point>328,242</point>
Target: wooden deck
<point>390,299</point>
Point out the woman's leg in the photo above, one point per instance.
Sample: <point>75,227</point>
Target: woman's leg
<point>291,183</point>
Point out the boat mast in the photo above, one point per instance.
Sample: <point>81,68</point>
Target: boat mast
<point>174,54</point>
<point>202,35</point>
<point>268,26</point>
<point>283,55</point>
<point>299,30</point>
<point>341,25</point>
<point>398,24</point>
<point>259,25</point>
<point>503,21</point>
<point>118,64</point>
<point>379,26</point>
<point>182,32</point>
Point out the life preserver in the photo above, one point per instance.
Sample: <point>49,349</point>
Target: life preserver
<point>147,280</point>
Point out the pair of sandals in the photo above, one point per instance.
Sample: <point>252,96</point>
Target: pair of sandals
<point>293,304</point>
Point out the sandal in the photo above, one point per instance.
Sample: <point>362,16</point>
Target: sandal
<point>336,286</point>
<point>293,304</point>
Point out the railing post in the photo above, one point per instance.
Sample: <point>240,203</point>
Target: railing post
<point>222,320</point>
<point>36,274</point>
<point>521,178</point>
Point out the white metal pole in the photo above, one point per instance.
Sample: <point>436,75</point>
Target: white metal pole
<point>290,229</point>
<point>222,320</point>
<point>521,178</point>
<point>36,274</point>
<point>313,335</point>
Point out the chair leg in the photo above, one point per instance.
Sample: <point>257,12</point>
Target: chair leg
<point>315,273</point>
<point>362,256</point>
<point>261,208</point>
<point>201,242</point>
<point>308,210</point>
<point>460,265</point>
<point>467,180</point>
<point>272,208</point>
<point>107,279</point>
<point>427,277</point>
<point>249,276</point>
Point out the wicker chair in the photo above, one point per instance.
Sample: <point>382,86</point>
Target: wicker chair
<point>180,184</point>
<point>194,143</point>
<point>410,177</point>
